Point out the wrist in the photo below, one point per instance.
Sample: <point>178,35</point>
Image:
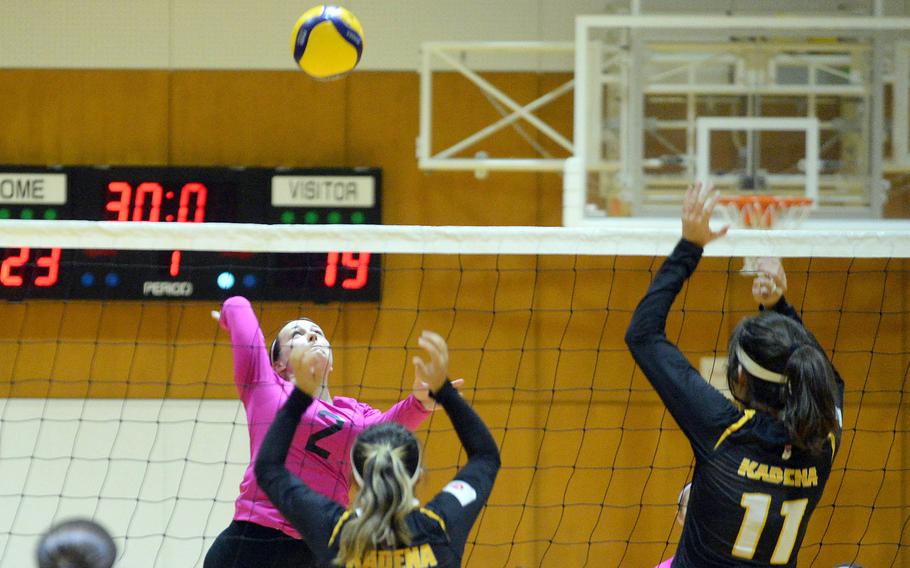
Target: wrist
<point>774,306</point>
<point>300,399</point>
<point>686,241</point>
<point>445,386</point>
<point>426,404</point>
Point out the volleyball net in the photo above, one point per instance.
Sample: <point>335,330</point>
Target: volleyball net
<point>125,410</point>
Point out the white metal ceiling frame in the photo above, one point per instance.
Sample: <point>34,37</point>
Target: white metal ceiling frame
<point>448,159</point>
<point>575,179</point>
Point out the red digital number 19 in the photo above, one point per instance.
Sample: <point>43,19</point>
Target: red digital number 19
<point>361,265</point>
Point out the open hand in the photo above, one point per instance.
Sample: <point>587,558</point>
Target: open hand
<point>216,315</point>
<point>309,366</point>
<point>698,205</point>
<point>429,376</point>
<point>770,282</point>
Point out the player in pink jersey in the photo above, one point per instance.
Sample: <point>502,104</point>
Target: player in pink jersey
<point>320,452</point>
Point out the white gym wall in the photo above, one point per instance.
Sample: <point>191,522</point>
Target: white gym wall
<point>255,34</point>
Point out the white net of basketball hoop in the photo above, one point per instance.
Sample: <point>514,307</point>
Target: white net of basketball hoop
<point>764,211</point>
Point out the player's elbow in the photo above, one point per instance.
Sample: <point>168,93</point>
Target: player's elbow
<point>630,337</point>
<point>634,336</point>
<point>494,459</point>
<point>260,469</point>
<point>490,464</point>
<point>640,334</point>
<point>488,457</point>
<point>263,470</point>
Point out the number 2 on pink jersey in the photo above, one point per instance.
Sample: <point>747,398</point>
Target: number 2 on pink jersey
<point>324,433</point>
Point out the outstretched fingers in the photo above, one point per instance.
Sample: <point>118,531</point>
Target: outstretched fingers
<point>420,366</point>
<point>435,347</point>
<point>698,206</point>
<point>720,233</point>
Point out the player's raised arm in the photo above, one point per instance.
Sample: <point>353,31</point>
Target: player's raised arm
<point>412,410</point>
<point>462,499</point>
<point>251,360</point>
<point>769,289</point>
<point>311,513</point>
<point>701,411</point>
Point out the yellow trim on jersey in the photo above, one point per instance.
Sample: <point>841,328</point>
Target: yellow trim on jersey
<point>434,516</point>
<point>344,517</point>
<point>747,415</point>
<point>833,441</point>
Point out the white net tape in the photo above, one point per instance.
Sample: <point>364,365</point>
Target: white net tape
<point>628,236</point>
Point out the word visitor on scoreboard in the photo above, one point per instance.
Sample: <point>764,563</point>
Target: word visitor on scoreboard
<point>323,191</point>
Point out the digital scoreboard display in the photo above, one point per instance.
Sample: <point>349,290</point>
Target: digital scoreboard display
<point>189,195</point>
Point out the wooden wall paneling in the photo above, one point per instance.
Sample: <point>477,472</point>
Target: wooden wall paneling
<point>83,117</point>
<point>260,118</point>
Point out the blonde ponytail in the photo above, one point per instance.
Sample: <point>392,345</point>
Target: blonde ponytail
<point>382,505</point>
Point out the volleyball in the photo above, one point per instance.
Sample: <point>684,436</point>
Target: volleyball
<point>327,41</point>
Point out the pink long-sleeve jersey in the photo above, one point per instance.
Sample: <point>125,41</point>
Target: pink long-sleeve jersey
<point>320,452</point>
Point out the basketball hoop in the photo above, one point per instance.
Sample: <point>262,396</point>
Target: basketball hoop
<point>763,212</point>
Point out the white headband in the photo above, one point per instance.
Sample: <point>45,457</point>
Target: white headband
<point>686,488</point>
<point>757,370</point>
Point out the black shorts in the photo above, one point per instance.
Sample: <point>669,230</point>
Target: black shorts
<point>248,545</point>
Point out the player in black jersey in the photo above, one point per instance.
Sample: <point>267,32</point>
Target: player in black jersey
<point>759,470</point>
<point>385,526</point>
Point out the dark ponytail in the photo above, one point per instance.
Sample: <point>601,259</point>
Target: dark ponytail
<point>805,401</point>
<point>809,411</point>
